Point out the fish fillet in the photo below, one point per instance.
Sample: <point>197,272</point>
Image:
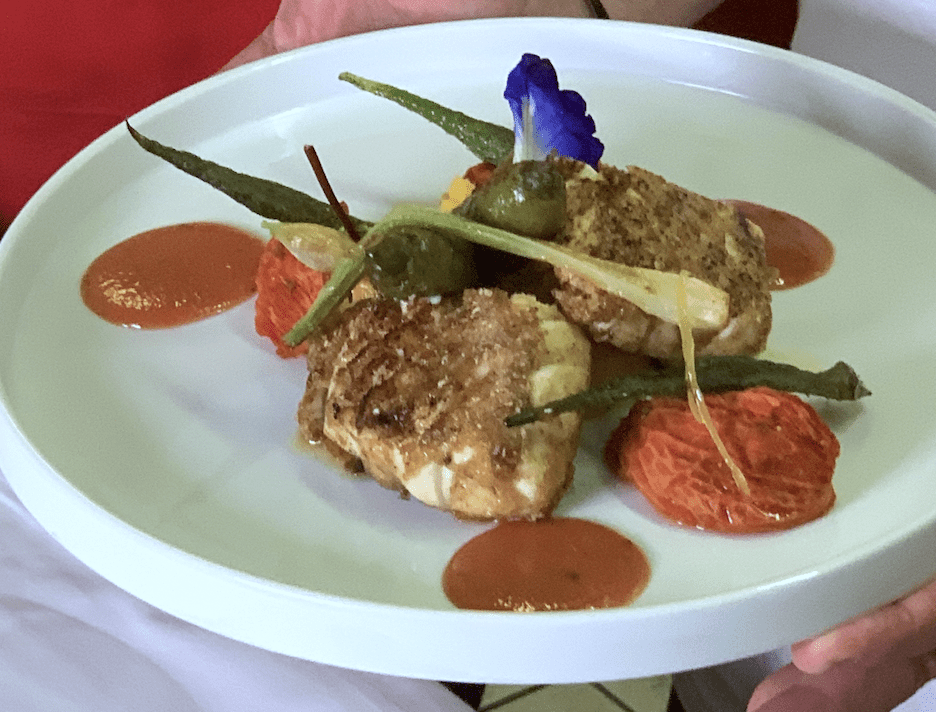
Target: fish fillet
<point>418,390</point>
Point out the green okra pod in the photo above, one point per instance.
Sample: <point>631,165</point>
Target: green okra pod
<point>715,374</point>
<point>527,198</point>
<point>348,272</point>
<point>264,197</point>
<point>487,141</point>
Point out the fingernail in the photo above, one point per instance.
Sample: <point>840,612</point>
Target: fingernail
<point>798,699</point>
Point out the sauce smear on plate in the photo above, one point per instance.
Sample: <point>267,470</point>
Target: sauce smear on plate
<point>550,565</point>
<point>799,251</point>
<point>173,275</point>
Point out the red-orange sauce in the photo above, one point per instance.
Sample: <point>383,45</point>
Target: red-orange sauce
<point>550,565</point>
<point>799,251</point>
<point>173,275</point>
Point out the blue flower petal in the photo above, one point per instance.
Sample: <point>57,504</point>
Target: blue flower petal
<point>547,118</point>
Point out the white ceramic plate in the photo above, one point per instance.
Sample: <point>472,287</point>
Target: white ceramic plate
<point>166,461</point>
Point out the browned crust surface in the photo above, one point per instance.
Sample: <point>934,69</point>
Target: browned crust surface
<point>635,217</point>
<point>422,383</point>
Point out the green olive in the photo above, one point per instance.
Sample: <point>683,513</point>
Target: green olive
<point>420,262</point>
<point>527,198</point>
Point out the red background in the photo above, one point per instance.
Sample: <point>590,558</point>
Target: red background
<point>70,70</point>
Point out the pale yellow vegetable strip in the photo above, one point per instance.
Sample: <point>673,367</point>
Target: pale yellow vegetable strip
<point>696,400</point>
<point>316,246</point>
<point>652,291</point>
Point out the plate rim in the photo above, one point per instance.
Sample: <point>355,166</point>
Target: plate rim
<point>13,439</point>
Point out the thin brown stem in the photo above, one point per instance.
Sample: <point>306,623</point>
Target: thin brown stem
<point>339,209</point>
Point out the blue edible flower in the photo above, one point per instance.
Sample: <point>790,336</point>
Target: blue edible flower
<point>547,118</point>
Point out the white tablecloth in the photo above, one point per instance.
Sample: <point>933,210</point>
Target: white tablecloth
<point>70,641</point>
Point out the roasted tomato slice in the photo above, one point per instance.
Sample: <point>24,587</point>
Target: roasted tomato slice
<point>785,450</point>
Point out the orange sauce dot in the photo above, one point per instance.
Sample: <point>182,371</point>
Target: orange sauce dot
<point>550,565</point>
<point>173,275</point>
<point>800,252</point>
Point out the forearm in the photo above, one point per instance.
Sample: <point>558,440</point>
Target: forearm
<point>679,13</point>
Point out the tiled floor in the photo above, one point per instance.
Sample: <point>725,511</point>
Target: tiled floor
<point>646,695</point>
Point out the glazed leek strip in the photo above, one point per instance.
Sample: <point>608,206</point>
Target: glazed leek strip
<point>694,395</point>
<point>487,141</point>
<point>650,290</point>
<point>263,197</point>
<point>714,374</point>
<point>316,246</point>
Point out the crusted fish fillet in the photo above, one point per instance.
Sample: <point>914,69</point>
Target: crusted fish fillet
<point>418,392</point>
<point>637,218</point>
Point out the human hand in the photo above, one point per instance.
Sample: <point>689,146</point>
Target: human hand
<point>869,664</point>
<point>303,22</point>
